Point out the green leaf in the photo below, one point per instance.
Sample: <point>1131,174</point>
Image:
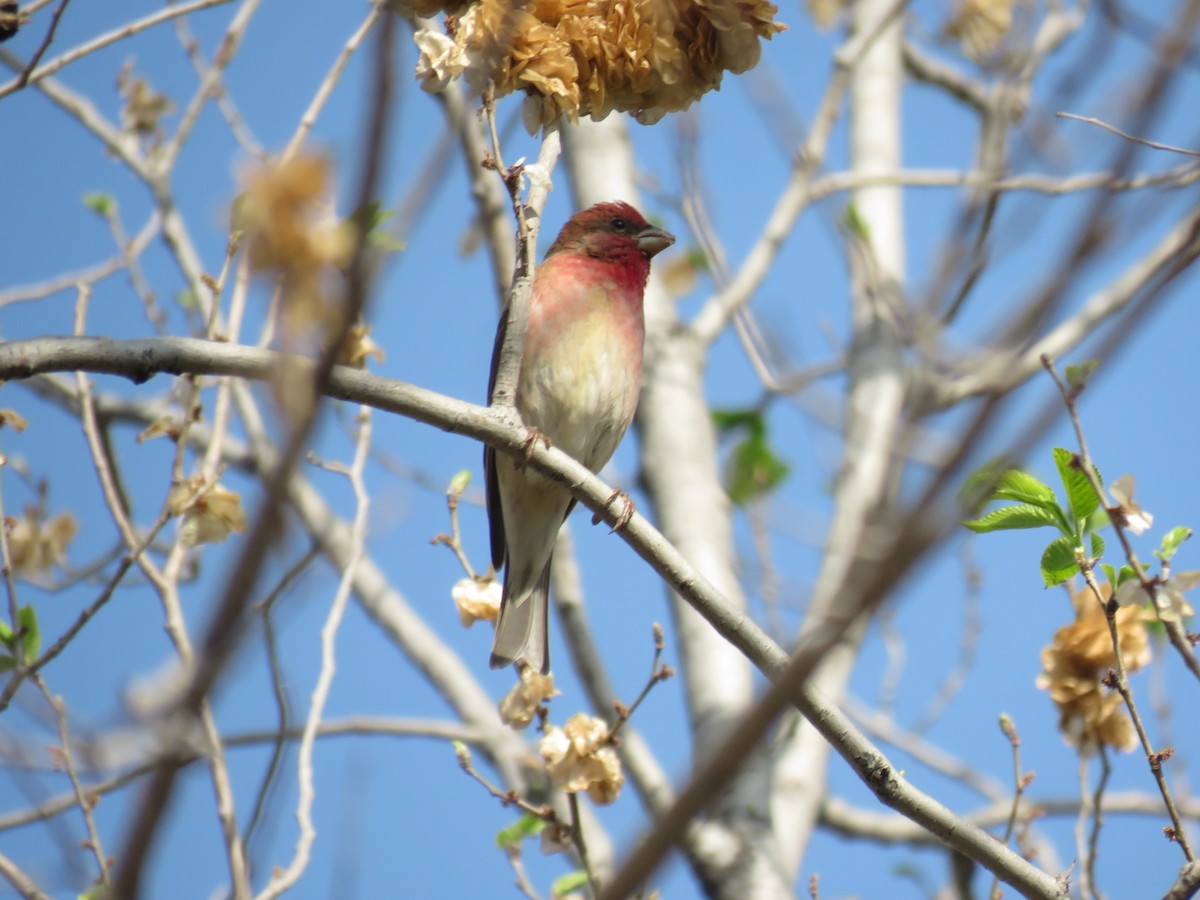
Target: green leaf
<point>459,482</point>
<point>237,215</point>
<point>753,470</point>
<point>572,881</point>
<point>1077,376</point>
<point>855,223</point>
<point>1007,518</point>
<point>7,664</point>
<point>6,634</point>
<point>1171,541</point>
<point>1098,520</point>
<point>99,203</point>
<point>385,242</point>
<point>1024,488</point>
<point>1097,546</point>
<point>727,420</point>
<point>1058,561</point>
<point>1080,494</point>
<point>1125,574</point>
<point>31,638</point>
<point>526,826</point>
<point>1110,573</point>
<point>980,486</point>
<point>369,216</point>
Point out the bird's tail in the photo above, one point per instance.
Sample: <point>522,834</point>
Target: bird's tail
<point>522,630</point>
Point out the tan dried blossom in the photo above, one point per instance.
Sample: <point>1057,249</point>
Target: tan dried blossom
<point>579,757</point>
<point>291,231</point>
<point>980,26</point>
<point>36,545</point>
<point>520,704</point>
<point>477,599</point>
<point>12,419</point>
<point>209,514</point>
<point>825,13</point>
<point>164,426</point>
<point>1077,660</point>
<point>439,60</point>
<point>591,57</point>
<point>144,107</point>
<point>358,347</point>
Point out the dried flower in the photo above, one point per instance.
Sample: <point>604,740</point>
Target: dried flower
<point>580,758</point>
<point>1077,660</point>
<point>36,545</point>
<point>825,13</point>
<point>477,599</point>
<point>358,347</point>
<point>291,231</point>
<point>144,107</point>
<point>980,25</point>
<point>13,419</point>
<point>209,514</point>
<point>520,704</point>
<point>590,57</point>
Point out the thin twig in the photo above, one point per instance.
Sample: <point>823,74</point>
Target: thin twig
<point>286,878</point>
<point>581,844</point>
<point>83,799</point>
<point>104,40</point>
<point>1129,137</point>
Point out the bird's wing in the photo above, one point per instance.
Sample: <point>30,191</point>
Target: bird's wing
<point>492,483</point>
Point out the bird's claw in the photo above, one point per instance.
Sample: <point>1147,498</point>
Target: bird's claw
<point>627,510</point>
<point>531,440</point>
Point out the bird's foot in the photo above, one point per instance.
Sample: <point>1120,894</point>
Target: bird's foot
<point>627,510</point>
<point>531,440</point>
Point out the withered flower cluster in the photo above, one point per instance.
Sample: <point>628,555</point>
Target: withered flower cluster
<point>591,57</point>
<point>1075,664</point>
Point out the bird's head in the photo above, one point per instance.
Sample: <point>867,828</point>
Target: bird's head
<point>611,231</point>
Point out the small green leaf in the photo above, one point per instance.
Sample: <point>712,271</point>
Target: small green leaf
<point>1058,561</point>
<point>386,242</point>
<point>1006,518</point>
<point>1110,573</point>
<point>1171,541</point>
<point>1125,574</point>
<point>6,634</point>
<point>727,420</point>
<point>99,203</point>
<point>1024,488</point>
<point>459,482</point>
<point>525,827</point>
<point>855,223</point>
<point>753,470</point>
<point>1077,376</point>
<point>7,664</point>
<point>1098,520</point>
<point>564,884</point>
<point>1080,494</point>
<point>1097,546</point>
<point>31,638</point>
<point>237,215</point>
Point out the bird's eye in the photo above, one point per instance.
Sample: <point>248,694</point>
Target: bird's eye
<point>618,224</point>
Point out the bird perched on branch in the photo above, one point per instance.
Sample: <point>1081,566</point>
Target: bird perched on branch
<point>580,373</point>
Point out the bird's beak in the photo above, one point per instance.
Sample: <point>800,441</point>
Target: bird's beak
<point>654,240</point>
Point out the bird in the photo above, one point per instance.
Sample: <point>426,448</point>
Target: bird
<point>577,387</point>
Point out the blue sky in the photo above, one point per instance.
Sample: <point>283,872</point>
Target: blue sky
<point>397,817</point>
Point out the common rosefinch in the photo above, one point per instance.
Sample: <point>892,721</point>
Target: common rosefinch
<point>581,370</point>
